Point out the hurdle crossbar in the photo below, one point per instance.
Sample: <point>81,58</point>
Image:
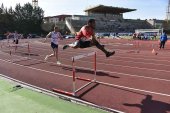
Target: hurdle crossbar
<point>82,56</point>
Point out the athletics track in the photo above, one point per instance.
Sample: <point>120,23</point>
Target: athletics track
<point>134,80</point>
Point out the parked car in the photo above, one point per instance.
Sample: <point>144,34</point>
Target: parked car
<point>2,36</point>
<point>33,36</point>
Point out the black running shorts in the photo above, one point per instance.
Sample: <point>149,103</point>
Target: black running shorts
<point>54,45</point>
<point>16,41</point>
<point>84,44</point>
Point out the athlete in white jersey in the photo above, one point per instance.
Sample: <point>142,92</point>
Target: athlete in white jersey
<point>15,36</point>
<point>55,36</point>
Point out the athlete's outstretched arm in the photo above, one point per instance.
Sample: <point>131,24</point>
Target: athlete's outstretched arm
<point>49,34</point>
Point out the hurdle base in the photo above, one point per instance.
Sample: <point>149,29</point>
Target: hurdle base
<point>63,92</point>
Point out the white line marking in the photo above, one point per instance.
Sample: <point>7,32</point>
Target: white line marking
<point>54,94</point>
<point>36,68</point>
<point>129,67</point>
<point>109,71</point>
<point>115,85</point>
<point>117,56</point>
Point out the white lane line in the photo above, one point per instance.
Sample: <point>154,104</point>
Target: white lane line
<point>128,66</point>
<point>115,85</point>
<point>54,94</point>
<point>92,48</point>
<point>126,61</point>
<point>131,57</point>
<point>139,76</point>
<point>35,68</point>
<point>135,89</point>
<point>159,79</point>
<point>143,62</point>
<point>148,58</point>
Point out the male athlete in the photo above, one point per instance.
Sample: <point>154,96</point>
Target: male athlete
<point>55,36</point>
<point>86,38</point>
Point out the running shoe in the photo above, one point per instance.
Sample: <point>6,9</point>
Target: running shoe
<point>110,54</point>
<point>58,63</point>
<point>65,46</point>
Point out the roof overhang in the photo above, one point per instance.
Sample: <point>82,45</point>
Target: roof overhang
<point>108,9</point>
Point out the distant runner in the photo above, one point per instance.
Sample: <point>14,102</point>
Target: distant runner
<point>55,36</point>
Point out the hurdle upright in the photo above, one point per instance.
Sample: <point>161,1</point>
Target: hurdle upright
<point>74,90</point>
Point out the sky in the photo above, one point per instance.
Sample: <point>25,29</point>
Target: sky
<point>146,9</point>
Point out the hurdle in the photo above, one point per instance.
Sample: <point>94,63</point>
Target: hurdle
<point>74,90</point>
<point>11,46</point>
<point>136,46</point>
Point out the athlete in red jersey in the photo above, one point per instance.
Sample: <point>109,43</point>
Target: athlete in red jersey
<point>86,38</point>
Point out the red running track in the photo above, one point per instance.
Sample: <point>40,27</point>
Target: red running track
<point>130,82</point>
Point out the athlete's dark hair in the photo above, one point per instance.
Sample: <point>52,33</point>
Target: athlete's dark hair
<point>55,27</point>
<point>91,20</point>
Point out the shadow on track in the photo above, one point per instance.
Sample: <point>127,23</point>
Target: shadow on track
<point>98,73</point>
<point>148,105</point>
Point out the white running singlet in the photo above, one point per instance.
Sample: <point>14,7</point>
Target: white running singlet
<point>55,37</point>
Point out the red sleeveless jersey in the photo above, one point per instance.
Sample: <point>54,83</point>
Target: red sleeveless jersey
<point>85,32</point>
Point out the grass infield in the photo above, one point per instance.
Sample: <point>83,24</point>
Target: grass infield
<point>15,99</point>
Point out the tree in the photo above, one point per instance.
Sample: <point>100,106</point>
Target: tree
<point>6,19</point>
<point>25,19</point>
<point>28,19</point>
<point>166,26</point>
<point>2,8</point>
